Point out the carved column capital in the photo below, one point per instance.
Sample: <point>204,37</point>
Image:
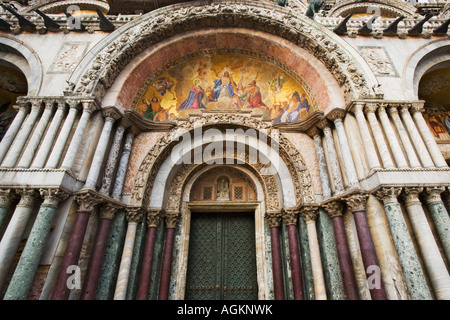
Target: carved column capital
<point>323,124</point>
<point>108,210</point>
<point>171,218</point>
<point>433,194</point>
<point>356,202</point>
<point>27,197</point>
<point>313,132</point>
<point>7,196</point>
<point>273,218</point>
<point>334,208</point>
<point>52,196</point>
<point>87,201</point>
<point>154,217</point>
<point>393,108</point>
<point>89,106</point>
<point>412,195</point>
<point>134,214</point>
<point>290,215</point>
<point>370,107</point>
<point>309,213</point>
<point>358,107</point>
<point>388,195</point>
<point>417,106</point>
<point>111,114</point>
<point>336,114</point>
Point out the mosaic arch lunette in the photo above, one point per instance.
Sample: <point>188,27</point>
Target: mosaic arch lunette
<point>100,67</point>
<point>145,177</point>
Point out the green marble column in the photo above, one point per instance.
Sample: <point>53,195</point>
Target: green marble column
<point>23,276</point>
<point>136,261</point>
<point>409,261</point>
<point>440,216</point>
<point>157,262</point>
<point>305,259</point>
<point>6,198</point>
<point>113,254</point>
<point>330,262</point>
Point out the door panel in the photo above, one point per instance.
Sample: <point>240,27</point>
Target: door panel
<point>222,257</point>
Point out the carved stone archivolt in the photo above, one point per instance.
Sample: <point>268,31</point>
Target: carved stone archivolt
<point>100,73</point>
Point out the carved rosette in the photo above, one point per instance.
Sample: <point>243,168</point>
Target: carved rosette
<point>356,202</point>
<point>273,218</point>
<point>433,194</point>
<point>290,216</point>
<point>388,195</point>
<point>134,215</point>
<point>309,213</point>
<point>27,197</point>
<point>171,218</point>
<point>334,208</point>
<point>412,195</point>
<point>53,196</point>
<point>154,217</point>
<point>7,196</point>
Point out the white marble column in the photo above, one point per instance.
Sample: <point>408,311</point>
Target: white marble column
<point>370,109</point>
<point>428,138</point>
<point>122,168</point>
<point>404,137</point>
<point>88,109</point>
<point>134,215</point>
<point>22,136</point>
<point>325,181</point>
<point>437,271</point>
<point>337,116</point>
<point>111,114</point>
<point>63,135</point>
<point>47,143</point>
<point>369,147</point>
<point>397,152</point>
<point>416,139</point>
<point>15,231</point>
<point>36,137</point>
<point>8,138</point>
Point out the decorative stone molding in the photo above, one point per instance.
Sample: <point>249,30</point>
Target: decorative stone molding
<point>433,194</point>
<point>273,218</point>
<point>334,208</point>
<point>356,202</point>
<point>53,196</point>
<point>388,194</point>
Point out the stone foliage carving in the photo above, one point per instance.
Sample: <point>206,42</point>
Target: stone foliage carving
<point>163,23</point>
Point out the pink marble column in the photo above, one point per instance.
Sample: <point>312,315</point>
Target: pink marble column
<point>273,220</point>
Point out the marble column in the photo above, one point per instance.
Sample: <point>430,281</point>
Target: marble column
<point>47,143</point>
<point>171,219</point>
<point>334,210</point>
<point>86,202</point>
<point>369,147</point>
<point>409,261</point>
<point>22,279</point>
<point>370,109</point>
<point>113,156</point>
<point>323,171</point>
<point>88,108</point>
<point>290,219</point>
<point>15,231</point>
<point>273,219</point>
<point>437,271</point>
<point>153,219</point>
<point>7,196</point>
<point>33,143</point>
<point>337,115</point>
<point>440,216</point>
<point>111,115</point>
<point>134,215</point>
<point>332,157</point>
<point>416,138</point>
<point>8,138</point>
<point>92,276</point>
<point>391,137</point>
<point>122,167</point>
<point>61,140</point>
<point>310,214</point>
<point>23,134</point>
<point>430,142</point>
<point>357,205</point>
<point>404,137</point>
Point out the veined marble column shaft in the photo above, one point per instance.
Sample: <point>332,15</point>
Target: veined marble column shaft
<point>112,160</point>
<point>15,231</point>
<point>310,216</point>
<point>273,221</point>
<point>6,198</point>
<point>416,138</point>
<point>96,164</point>
<point>337,116</point>
<point>122,168</point>
<point>22,136</point>
<point>378,135</point>
<point>134,215</point>
<point>409,261</point>
<point>88,109</point>
<point>47,143</point>
<point>332,156</point>
<point>369,147</point>
<point>23,276</point>
<point>63,135</point>
<point>440,216</point>
<point>427,136</point>
<point>436,268</point>
<point>404,137</point>
<point>392,138</point>
<point>8,138</point>
<point>323,171</point>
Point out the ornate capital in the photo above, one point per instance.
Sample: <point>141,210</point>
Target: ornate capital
<point>336,114</point>
<point>370,107</point>
<point>433,194</point>
<point>404,108</point>
<point>412,195</point>
<point>111,114</point>
<point>6,197</point>
<point>108,210</point>
<point>273,218</point>
<point>171,218</point>
<point>417,106</point>
<point>89,106</point>
<point>356,202</point>
<point>134,214</point>
<point>87,201</point>
<point>154,216</point>
<point>309,213</point>
<point>382,107</point>
<point>314,131</point>
<point>289,216</point>
<point>334,208</point>
<point>53,196</point>
<point>393,109</point>
<point>27,197</point>
<point>388,194</point>
<point>358,107</point>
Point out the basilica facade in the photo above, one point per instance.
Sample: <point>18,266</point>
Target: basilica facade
<point>224,150</point>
